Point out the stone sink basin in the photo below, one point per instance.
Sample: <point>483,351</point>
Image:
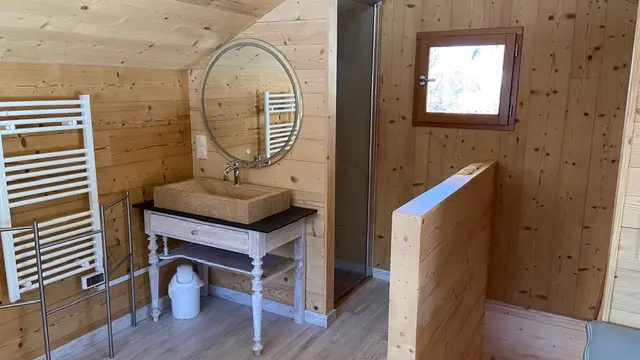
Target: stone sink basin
<point>244,203</point>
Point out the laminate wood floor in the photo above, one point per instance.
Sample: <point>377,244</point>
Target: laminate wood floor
<point>224,331</point>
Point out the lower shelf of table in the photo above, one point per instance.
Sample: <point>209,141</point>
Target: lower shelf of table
<point>272,265</point>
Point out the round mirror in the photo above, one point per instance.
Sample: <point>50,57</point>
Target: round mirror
<point>251,103</point>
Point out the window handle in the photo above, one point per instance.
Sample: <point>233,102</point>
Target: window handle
<point>423,80</point>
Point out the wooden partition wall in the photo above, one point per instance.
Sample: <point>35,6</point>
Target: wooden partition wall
<point>439,255</point>
<point>621,300</point>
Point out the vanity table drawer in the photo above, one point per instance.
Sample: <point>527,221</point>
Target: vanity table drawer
<point>209,235</point>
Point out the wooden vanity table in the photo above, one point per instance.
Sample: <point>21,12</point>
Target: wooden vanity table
<point>235,247</point>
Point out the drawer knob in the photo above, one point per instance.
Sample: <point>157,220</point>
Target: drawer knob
<point>194,232</point>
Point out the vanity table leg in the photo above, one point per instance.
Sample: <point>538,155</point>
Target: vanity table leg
<point>165,245</point>
<point>257,305</point>
<point>154,276</point>
<point>299,275</point>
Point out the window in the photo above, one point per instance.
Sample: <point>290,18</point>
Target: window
<point>467,78</point>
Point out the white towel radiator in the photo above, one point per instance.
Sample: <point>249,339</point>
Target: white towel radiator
<point>42,177</point>
<point>67,245</point>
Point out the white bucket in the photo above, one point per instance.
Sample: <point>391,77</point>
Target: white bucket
<point>184,291</point>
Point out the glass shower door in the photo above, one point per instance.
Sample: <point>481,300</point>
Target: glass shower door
<point>356,33</point>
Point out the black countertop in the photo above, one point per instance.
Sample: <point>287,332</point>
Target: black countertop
<point>266,225</point>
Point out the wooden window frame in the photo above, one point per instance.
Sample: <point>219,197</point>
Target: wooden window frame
<point>506,117</point>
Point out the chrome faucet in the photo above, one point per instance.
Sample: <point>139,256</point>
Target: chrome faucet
<point>235,167</point>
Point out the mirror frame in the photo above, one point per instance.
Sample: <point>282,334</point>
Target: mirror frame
<point>297,91</point>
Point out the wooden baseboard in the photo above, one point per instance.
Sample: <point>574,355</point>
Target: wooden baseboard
<point>514,333</point>
<point>274,307</point>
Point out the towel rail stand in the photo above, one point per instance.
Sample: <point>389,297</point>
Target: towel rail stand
<point>45,311</point>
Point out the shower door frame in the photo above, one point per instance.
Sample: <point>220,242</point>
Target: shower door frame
<point>373,139</point>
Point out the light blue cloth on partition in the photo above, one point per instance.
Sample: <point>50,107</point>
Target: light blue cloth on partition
<point>611,342</point>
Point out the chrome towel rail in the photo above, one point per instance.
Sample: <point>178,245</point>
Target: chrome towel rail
<point>39,248</point>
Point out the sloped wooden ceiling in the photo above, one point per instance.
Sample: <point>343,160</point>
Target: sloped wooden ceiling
<point>171,34</point>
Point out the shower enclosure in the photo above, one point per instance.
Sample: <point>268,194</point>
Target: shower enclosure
<point>355,139</point>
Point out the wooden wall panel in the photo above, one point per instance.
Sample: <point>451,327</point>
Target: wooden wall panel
<point>304,170</point>
<point>439,256</point>
<point>557,169</point>
<point>621,299</point>
<point>514,333</point>
<point>165,34</point>
<point>142,139</point>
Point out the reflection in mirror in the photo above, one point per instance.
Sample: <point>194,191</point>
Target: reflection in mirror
<point>251,103</point>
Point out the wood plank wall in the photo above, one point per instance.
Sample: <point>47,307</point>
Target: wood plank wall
<point>621,303</point>
<point>514,333</point>
<point>165,34</point>
<point>556,171</point>
<point>440,250</point>
<point>299,29</point>
<point>142,139</point>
